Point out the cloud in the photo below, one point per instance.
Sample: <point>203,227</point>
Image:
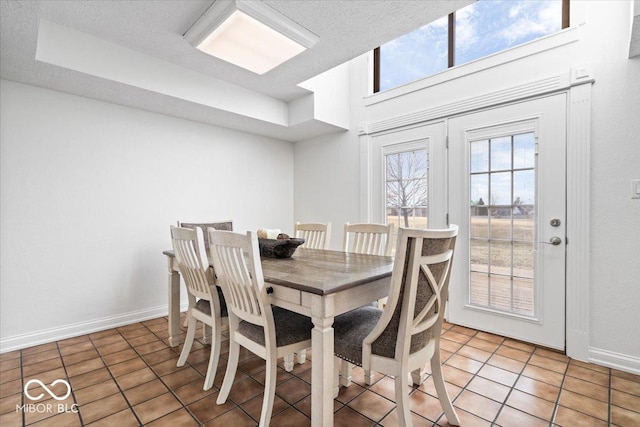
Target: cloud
<point>466,32</point>
<point>538,19</point>
<point>482,28</point>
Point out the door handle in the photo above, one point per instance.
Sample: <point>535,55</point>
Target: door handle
<point>555,241</point>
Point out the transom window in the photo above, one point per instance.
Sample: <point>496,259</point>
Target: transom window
<point>478,30</point>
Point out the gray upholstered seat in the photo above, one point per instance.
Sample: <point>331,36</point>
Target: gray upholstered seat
<point>350,330</point>
<point>406,334</point>
<point>290,328</point>
<point>204,306</point>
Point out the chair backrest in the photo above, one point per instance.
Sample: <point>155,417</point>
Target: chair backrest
<point>221,225</point>
<point>419,288</point>
<point>236,261</point>
<point>315,235</point>
<point>193,265</point>
<point>371,239</point>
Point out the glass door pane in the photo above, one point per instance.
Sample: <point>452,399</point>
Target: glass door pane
<point>502,223</point>
<point>406,188</point>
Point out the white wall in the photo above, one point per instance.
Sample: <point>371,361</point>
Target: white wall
<point>88,191</point>
<point>327,169</point>
<point>615,161</point>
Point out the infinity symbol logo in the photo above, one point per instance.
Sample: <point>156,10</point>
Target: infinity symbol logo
<point>47,389</point>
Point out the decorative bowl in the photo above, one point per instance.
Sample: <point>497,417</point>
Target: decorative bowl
<point>282,248</point>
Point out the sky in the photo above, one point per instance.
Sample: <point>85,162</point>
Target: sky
<point>482,28</point>
<point>491,164</point>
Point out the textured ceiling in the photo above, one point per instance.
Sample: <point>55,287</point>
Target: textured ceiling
<point>346,29</point>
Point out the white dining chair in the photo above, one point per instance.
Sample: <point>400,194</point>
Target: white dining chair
<point>371,239</point>
<point>405,335</point>
<point>206,302</point>
<point>316,235</point>
<point>268,332</point>
<point>203,226</point>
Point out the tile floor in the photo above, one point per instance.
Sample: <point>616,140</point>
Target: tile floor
<point>128,377</point>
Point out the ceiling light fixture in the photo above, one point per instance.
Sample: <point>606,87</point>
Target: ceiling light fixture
<point>249,34</point>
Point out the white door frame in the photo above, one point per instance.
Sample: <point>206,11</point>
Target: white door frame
<point>546,118</point>
<point>578,86</point>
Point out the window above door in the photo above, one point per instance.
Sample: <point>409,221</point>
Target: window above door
<point>478,30</point>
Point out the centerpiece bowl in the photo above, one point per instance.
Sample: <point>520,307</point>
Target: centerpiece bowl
<point>280,248</point>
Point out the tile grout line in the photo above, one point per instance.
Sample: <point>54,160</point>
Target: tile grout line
<point>442,362</point>
<point>557,402</point>
<point>64,366</point>
<point>114,378</point>
<point>584,395</point>
<point>513,387</point>
<point>610,395</point>
<point>24,417</point>
<point>141,329</point>
<point>184,406</point>
<point>485,363</point>
<point>503,404</point>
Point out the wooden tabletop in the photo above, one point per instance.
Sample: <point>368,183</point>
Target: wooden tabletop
<point>323,272</point>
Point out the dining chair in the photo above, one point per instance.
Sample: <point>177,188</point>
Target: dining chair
<point>371,239</point>
<point>268,332</point>
<point>401,338</point>
<point>206,302</point>
<point>315,235</point>
<point>220,225</point>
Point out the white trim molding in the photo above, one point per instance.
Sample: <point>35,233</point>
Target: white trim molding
<point>578,221</point>
<point>621,362</point>
<point>43,336</point>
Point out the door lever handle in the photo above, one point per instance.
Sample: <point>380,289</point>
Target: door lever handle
<point>555,241</point>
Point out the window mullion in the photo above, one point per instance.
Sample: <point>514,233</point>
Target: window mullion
<point>376,70</point>
<point>452,39</point>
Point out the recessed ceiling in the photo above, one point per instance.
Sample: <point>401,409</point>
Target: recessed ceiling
<point>154,29</point>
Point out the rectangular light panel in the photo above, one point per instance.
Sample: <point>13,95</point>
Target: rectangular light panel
<point>250,44</point>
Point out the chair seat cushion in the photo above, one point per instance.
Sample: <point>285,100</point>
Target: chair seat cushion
<point>203,305</point>
<point>350,329</point>
<point>290,328</point>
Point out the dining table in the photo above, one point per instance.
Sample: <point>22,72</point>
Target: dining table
<point>317,283</point>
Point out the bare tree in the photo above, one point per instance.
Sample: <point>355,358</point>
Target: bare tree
<point>407,182</point>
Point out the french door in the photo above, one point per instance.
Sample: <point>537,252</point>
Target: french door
<point>408,177</point>
<point>507,195</point>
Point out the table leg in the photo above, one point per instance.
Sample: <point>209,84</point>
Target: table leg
<point>322,372</point>
<point>174,306</point>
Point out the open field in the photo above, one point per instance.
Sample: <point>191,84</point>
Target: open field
<point>491,247</point>
<point>502,271</point>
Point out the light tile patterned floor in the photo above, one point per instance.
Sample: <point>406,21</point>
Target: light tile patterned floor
<point>128,377</point>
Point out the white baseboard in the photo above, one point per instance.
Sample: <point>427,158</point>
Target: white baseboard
<point>18,342</point>
<point>622,362</point>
